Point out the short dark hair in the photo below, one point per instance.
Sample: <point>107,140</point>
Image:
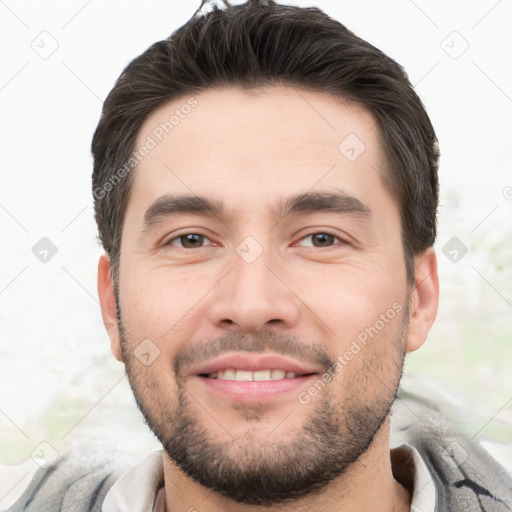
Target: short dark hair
<point>256,44</point>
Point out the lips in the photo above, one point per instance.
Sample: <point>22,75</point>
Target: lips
<point>246,377</point>
<point>277,365</point>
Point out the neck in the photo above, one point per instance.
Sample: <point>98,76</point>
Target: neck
<point>368,484</point>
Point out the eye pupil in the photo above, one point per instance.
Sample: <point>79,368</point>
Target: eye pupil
<point>192,238</point>
<point>324,238</point>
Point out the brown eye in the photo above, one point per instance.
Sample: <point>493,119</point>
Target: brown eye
<point>321,239</point>
<point>188,241</point>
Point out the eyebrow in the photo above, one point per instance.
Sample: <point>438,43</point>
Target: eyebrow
<point>170,205</point>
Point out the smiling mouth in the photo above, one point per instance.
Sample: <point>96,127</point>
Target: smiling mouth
<point>257,376</point>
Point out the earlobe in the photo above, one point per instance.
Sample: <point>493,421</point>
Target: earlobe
<point>424,299</point>
<point>108,305</point>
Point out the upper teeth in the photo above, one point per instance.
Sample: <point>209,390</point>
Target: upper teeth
<point>244,375</point>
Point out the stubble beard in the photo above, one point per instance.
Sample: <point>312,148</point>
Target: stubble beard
<point>250,471</point>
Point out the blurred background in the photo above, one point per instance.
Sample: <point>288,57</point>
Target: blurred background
<point>58,381</point>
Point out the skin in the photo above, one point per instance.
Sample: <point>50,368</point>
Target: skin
<point>251,149</point>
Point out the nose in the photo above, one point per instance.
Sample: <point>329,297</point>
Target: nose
<point>254,295</point>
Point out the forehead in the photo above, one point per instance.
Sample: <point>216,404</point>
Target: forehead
<point>254,144</point>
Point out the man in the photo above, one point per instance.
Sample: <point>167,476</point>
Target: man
<point>265,187</point>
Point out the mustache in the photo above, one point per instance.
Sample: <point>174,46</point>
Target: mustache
<point>265,342</point>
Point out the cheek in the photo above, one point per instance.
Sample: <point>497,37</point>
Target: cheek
<point>351,297</point>
<point>158,303</point>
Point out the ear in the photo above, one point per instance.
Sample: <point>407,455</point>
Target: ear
<point>108,305</point>
<point>424,299</point>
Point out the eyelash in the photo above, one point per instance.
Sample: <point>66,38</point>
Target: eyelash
<point>328,233</point>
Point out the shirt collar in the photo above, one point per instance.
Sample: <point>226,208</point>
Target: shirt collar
<point>137,489</point>
<point>424,491</point>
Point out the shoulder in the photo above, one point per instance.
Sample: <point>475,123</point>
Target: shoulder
<point>443,431</point>
<point>423,405</point>
<point>14,479</point>
<point>77,480</point>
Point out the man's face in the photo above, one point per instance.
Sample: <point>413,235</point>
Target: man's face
<point>259,289</point>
